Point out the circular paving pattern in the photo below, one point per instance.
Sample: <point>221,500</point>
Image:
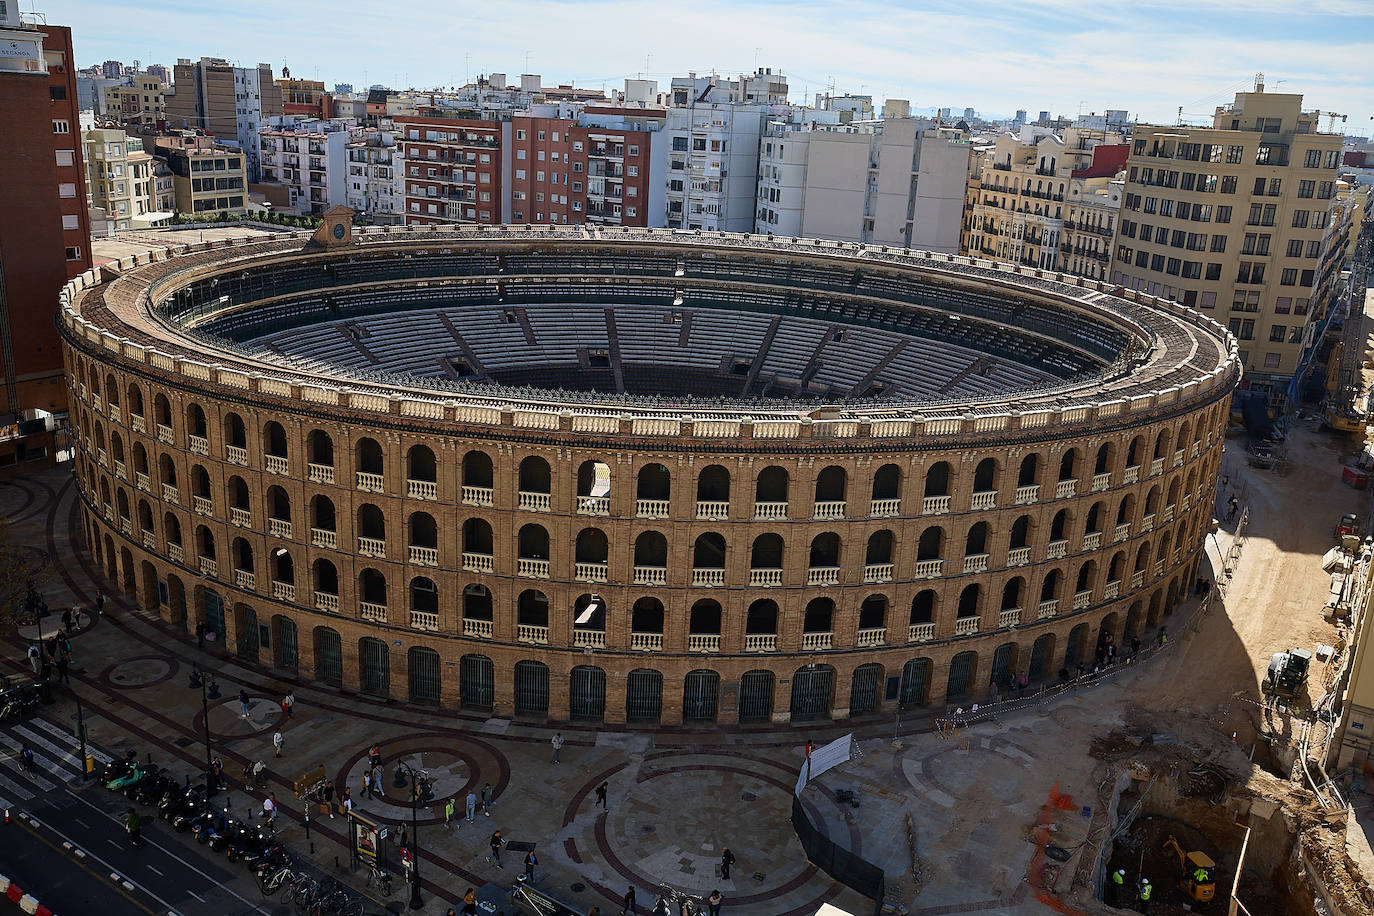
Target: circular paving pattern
<point>454,767</point>
<point>228,724</point>
<point>140,671</point>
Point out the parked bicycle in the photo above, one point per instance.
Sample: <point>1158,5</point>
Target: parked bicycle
<point>376,876</point>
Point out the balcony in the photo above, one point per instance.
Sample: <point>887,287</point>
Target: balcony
<point>368,483</point>
<point>324,537</point>
<point>170,494</point>
<point>1018,556</point>
<point>480,629</point>
<point>121,470</point>
<point>1178,458</point>
<point>708,578</point>
<point>975,563</point>
<point>877,572</point>
<point>589,572</point>
<point>811,642</point>
<point>1065,488</point>
<point>236,455</point>
<point>1195,450</point>
<point>527,632</point>
<point>829,510</point>
<point>1159,568</point>
<point>703,642</point>
<point>138,423</point>
<point>279,528</point>
<point>208,567</point>
<point>476,496</point>
<point>1138,578</point>
<point>200,505</point>
<point>1056,550</point>
<point>284,591</point>
<point>372,611</point>
<point>965,626</point>
<point>372,547</point>
<point>646,642</point>
<point>275,464</point>
<point>1147,522</point>
<point>1112,589</point>
<point>324,601</point>
<point>142,481</point>
<point>1101,482</point>
<point>920,632</point>
<point>320,473</point>
<point>199,445</point>
<point>116,414</point>
<point>651,508</point>
<point>760,642</point>
<point>1047,609</point>
<point>1156,466</point>
<point>593,505</point>
<point>1092,540</point>
<point>984,499</point>
<point>1122,532</point>
<point>871,636</point>
<point>935,505</point>
<point>885,508</point>
<point>149,539</point>
<point>1167,515</point>
<point>589,639</point>
<point>244,579</point>
<point>423,556</point>
<point>712,510</point>
<point>531,569</point>
<point>422,489</point>
<point>823,575</point>
<point>651,575</point>
<point>1009,617</point>
<point>1027,494</point>
<point>770,511</point>
<point>929,569</point>
<point>1082,599</point>
<point>533,502</point>
<point>164,434</point>
<point>1132,474</point>
<point>176,554</point>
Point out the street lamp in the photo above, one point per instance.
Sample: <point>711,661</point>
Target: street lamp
<point>209,690</point>
<point>401,766</point>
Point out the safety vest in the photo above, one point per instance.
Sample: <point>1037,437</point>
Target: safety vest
<point>1117,878</point>
<point>1146,890</point>
<point>1200,876</point>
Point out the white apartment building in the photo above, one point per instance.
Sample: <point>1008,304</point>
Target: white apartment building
<point>250,118</point>
<point>119,177</point>
<point>713,159</point>
<point>309,158</point>
<point>376,185</point>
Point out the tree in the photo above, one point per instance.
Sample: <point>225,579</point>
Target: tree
<point>21,570</point>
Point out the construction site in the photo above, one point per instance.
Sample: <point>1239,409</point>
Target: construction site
<point>1204,765</point>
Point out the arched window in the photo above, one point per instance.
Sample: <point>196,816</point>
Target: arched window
<point>767,552</point>
<point>969,601</point>
<point>937,479</point>
<point>274,439</point>
<point>985,476</point>
<point>831,485</point>
<point>320,450</point>
<point>932,544</point>
<point>713,490</point>
<point>825,551</point>
<point>646,616</point>
<point>651,551</point>
<point>879,551</point>
<point>420,464</point>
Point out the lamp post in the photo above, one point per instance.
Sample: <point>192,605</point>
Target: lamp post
<point>415,901</point>
<point>209,690</point>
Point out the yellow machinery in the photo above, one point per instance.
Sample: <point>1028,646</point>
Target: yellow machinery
<point>1198,878</point>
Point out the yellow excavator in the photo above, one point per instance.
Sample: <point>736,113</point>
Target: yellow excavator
<point>1198,879</point>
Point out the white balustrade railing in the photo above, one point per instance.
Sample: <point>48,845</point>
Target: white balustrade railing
<point>1082,599</point>
<point>646,642</point>
<point>326,602</point>
<point>478,562</point>
<point>209,567</point>
<point>279,527</point>
<point>593,505</point>
<point>814,641</point>
<point>920,632</point>
<point>532,502</point>
<point>1137,578</point>
<point>885,508</point>
<point>479,629</point>
<point>1092,540</point>
<point>823,575</point>
<point>830,509</point>
<point>1131,474</point>
<point>1156,466</point>
<point>422,489</point>
<point>531,568</point>
<point>1028,494</point>
<point>1123,531</point>
<point>372,547</point>
<point>236,455</point>
<point>651,508</point>
<point>963,626</point>
<point>201,505</point>
<point>703,642</point>
<point>589,639</point>
<point>176,553</point>
<point>199,445</point>
<point>1055,550</point>
<point>244,579</point>
<point>651,575</point>
<point>371,610</point>
<point>1112,589</point>
<point>975,563</point>
<point>770,511</point>
<point>164,434</point>
<point>424,620</point>
<point>323,537</point>
<point>1101,482</point>
<point>878,572</point>
<point>708,577</point>
<point>760,642</point>
<point>929,569</point>
<point>589,572</point>
<point>1047,608</point>
<point>320,473</point>
<point>170,494</point>
<point>1065,488</point>
<point>1018,556</point>
<point>368,482</point>
<point>984,499</point>
<point>712,509</point>
<point>284,591</point>
<point>423,556</point>
<point>477,496</point>
<point>275,464</point>
<point>528,632</point>
<point>871,636</point>
<point>935,505</point>
<point>1009,617</point>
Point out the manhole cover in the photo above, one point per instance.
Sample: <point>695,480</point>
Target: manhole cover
<point>185,742</point>
<point>578,887</point>
<point>748,796</point>
<point>647,828</point>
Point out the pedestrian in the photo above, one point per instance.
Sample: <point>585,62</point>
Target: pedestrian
<point>134,826</point>
<point>1118,888</point>
<point>26,759</point>
<point>67,620</point>
<point>486,799</point>
<point>36,659</point>
<point>448,812</point>
<point>629,902</point>
<point>218,766</point>
<point>377,784</point>
<point>713,902</point>
<point>243,703</point>
<point>269,810</point>
<point>727,858</point>
<point>367,784</point>
<point>329,798</point>
<point>469,903</point>
<point>288,704</point>
<point>1163,636</point>
<point>531,860</point>
<point>277,741</point>
<point>200,636</point>
<point>471,802</point>
<point>258,769</point>
<point>375,755</point>
<point>1022,681</point>
<point>601,796</point>
<point>347,801</point>
<point>810,746</point>
<point>99,603</point>
<point>1146,889</point>
<point>62,665</point>
<point>1135,645</point>
<point>496,843</point>
<point>76,616</point>
<point>557,745</point>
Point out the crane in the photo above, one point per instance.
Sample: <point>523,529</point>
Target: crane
<point>1331,117</point>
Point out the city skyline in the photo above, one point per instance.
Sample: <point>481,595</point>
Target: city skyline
<point>977,54</point>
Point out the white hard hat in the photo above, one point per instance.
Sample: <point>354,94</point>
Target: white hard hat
<point>1144,880</point>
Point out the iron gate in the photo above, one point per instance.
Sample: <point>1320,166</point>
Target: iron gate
<point>915,678</point>
<point>643,695</point>
<point>531,688</point>
<point>863,691</point>
<point>812,689</point>
<point>423,665</point>
<point>588,695</point>
<point>328,656</point>
<point>1039,653</point>
<point>286,654</point>
<point>1074,653</point>
<point>247,633</point>
<point>214,614</point>
<point>375,674</point>
<point>960,670</point>
<point>1001,661</point>
<point>756,696</point>
<point>476,682</point>
<point>700,696</point>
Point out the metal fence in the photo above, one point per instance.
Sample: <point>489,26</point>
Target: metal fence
<point>839,863</point>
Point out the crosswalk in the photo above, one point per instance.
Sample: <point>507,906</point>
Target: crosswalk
<point>56,757</point>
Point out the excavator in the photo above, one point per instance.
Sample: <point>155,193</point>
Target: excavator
<point>1197,868</point>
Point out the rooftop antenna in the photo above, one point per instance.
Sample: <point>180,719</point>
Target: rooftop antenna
<point>1180,116</point>
<point>1259,81</point>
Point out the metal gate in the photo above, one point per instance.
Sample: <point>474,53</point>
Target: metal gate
<point>247,619</point>
<point>423,665</point>
<point>328,656</point>
<point>756,696</point>
<point>1039,655</point>
<point>915,678</point>
<point>1001,662</point>
<point>1074,653</point>
<point>588,695</point>
<point>476,682</point>
<point>700,696</point>
<point>643,695</point>
<point>959,671</point>
<point>374,677</point>
<point>812,689</point>
<point>863,691</point>
<point>531,688</point>
<point>214,614</point>
<point>286,654</point>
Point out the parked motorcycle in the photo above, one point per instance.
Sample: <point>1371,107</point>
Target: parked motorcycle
<point>189,800</point>
<point>116,769</point>
<point>154,791</point>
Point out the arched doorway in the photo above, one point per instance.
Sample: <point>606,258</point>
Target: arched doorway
<point>476,683</point>
<point>961,671</point>
<point>863,690</point>
<point>643,695</point>
<point>813,687</point>
<point>374,672</point>
<point>915,683</point>
<point>756,696</point>
<point>1041,653</point>
<point>328,656</point>
<point>587,698</point>
<point>423,664</point>
<point>285,654</point>
<point>531,688</point>
<point>700,696</point>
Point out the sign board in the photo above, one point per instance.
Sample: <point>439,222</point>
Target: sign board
<point>729,697</point>
<point>367,839</point>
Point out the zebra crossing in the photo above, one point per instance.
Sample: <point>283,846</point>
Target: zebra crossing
<point>56,758</point>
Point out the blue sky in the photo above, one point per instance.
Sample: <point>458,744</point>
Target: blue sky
<point>1147,56</point>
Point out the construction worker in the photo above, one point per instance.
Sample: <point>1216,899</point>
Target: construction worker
<point>1146,889</point>
<point>1118,889</point>
<point>1200,875</point>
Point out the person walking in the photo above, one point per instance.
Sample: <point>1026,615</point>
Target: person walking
<point>469,903</point>
<point>36,658</point>
<point>496,842</point>
<point>329,798</point>
<point>134,825</point>
<point>377,784</point>
<point>269,811</point>
<point>449,808</point>
<point>258,769</point>
<point>713,902</point>
<point>557,743</point>
<point>243,703</point>
<point>99,603</point>
<point>727,858</point>
<point>76,615</point>
<point>1163,636</point>
<point>218,766</point>
<point>486,799</point>
<point>375,755</point>
<point>63,663</point>
<point>471,802</point>
<point>67,620</point>
<point>1146,890</point>
<point>347,802</point>
<point>531,860</point>
<point>367,783</point>
<point>277,741</point>
<point>601,796</point>
<point>288,704</point>
<point>628,904</point>
<point>26,759</point>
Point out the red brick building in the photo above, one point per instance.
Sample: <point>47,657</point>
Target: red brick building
<point>453,169</point>
<point>44,226</point>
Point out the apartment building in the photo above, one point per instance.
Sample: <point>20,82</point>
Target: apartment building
<point>1230,219</point>
<point>44,222</point>
<point>119,177</point>
<point>303,98</point>
<point>230,102</point>
<point>256,102</point>
<point>140,99</point>
<point>207,177</point>
<point>307,161</point>
<point>1093,211</point>
<point>376,185</point>
<point>453,169</point>
<point>713,165</point>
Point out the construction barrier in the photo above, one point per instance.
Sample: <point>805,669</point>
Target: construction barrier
<point>836,861</point>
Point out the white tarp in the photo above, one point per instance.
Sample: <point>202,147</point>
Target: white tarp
<point>823,758</point>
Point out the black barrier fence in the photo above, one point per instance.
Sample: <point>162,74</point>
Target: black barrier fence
<point>836,861</point>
